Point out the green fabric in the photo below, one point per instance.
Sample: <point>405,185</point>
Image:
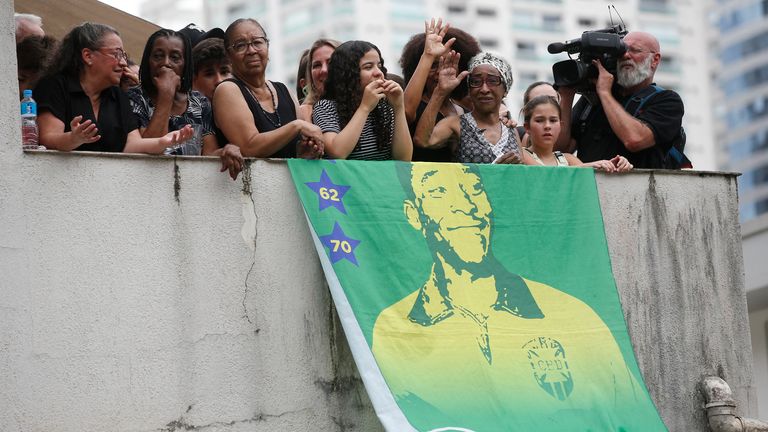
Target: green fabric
<point>509,322</point>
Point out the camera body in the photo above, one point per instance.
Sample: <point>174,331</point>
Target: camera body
<point>605,45</point>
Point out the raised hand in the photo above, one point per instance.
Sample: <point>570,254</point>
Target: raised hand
<point>449,77</point>
<point>434,33</point>
<point>372,94</point>
<point>83,133</point>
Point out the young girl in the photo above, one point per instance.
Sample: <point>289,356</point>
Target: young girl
<point>542,123</point>
<point>361,114</point>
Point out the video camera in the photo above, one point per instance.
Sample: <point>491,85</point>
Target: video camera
<point>605,45</point>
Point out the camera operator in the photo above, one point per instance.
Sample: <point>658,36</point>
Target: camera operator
<point>607,127</point>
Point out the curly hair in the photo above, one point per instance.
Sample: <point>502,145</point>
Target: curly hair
<point>312,92</point>
<point>465,44</point>
<point>34,52</point>
<point>68,59</point>
<point>343,87</point>
<point>145,74</point>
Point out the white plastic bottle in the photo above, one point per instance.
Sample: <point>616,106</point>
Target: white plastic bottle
<point>28,121</point>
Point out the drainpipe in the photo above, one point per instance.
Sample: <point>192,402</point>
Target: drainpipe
<point>721,409</point>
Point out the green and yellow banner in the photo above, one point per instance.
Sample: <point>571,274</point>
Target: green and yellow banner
<point>476,297</point>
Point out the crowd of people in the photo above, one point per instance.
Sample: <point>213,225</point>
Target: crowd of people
<point>212,88</point>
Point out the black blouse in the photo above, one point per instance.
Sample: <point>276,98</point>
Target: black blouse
<point>266,121</point>
<point>63,97</point>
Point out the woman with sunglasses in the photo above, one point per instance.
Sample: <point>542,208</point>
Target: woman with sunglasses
<point>361,114</point>
<point>479,136</point>
<point>165,100</point>
<point>80,104</point>
<point>253,113</point>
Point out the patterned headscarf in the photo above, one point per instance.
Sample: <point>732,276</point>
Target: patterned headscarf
<point>501,65</point>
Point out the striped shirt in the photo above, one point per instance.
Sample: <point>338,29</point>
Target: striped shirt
<point>326,116</point>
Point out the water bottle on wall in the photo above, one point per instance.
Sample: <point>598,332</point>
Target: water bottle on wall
<point>28,121</point>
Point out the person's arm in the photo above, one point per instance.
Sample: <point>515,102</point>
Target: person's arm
<point>340,145</point>
<point>427,133</point>
<point>565,142</point>
<point>135,143</point>
<point>635,134</point>
<point>402,146</point>
<point>52,134</point>
<point>434,32</point>
<point>235,120</point>
<point>167,83</point>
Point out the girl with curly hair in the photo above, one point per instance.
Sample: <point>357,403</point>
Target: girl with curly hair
<point>361,114</point>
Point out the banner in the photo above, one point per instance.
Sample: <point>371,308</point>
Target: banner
<point>476,297</point>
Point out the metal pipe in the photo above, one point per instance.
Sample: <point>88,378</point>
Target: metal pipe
<point>721,409</point>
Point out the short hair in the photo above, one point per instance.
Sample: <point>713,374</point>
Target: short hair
<point>465,44</point>
<point>539,100</point>
<point>19,18</point>
<point>312,92</point>
<point>35,52</point>
<point>207,52</point>
<point>231,29</point>
<point>527,94</point>
<point>145,76</point>
<point>68,59</point>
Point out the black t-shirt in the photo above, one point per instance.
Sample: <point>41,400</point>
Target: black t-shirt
<point>421,154</point>
<point>595,140</point>
<point>266,121</point>
<point>63,97</point>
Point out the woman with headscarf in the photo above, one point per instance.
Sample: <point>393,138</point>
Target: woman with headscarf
<point>80,105</point>
<point>479,136</point>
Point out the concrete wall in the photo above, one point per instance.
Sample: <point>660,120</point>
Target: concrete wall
<point>147,293</point>
<point>755,242</point>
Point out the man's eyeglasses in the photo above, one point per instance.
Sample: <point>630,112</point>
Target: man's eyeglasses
<point>638,50</point>
<point>259,44</point>
<point>477,81</point>
<point>118,54</point>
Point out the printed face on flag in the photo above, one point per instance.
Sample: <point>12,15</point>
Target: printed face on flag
<point>452,210</point>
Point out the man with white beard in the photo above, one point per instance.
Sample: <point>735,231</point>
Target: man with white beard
<point>613,124</point>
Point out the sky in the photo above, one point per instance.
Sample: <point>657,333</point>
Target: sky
<point>130,6</point>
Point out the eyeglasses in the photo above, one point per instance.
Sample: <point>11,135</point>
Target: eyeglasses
<point>118,54</point>
<point>638,50</point>
<point>259,44</point>
<point>477,81</point>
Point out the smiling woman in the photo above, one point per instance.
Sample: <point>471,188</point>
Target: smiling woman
<point>80,104</point>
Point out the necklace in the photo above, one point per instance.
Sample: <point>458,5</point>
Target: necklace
<point>272,118</point>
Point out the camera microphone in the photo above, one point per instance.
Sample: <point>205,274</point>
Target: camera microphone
<point>556,48</point>
<point>572,46</point>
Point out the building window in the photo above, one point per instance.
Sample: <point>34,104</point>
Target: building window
<point>489,43</point>
<point>526,50</point>
<point>457,9</point>
<point>486,12</point>
<point>587,23</point>
<point>551,23</point>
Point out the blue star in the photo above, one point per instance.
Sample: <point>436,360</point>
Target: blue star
<point>339,245</point>
<point>328,193</point>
